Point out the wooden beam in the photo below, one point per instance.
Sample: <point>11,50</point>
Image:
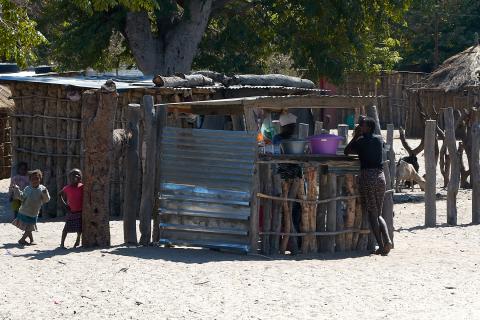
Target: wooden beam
<point>431,174</point>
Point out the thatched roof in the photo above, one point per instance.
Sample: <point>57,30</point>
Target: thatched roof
<point>5,102</point>
<point>458,72</point>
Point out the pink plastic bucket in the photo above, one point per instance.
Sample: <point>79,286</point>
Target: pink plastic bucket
<point>324,143</point>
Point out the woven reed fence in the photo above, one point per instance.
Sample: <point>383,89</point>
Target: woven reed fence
<point>47,131</point>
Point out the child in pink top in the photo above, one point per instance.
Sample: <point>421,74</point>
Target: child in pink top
<point>72,198</point>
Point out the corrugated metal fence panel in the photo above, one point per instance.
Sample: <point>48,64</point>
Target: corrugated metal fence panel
<point>206,185</point>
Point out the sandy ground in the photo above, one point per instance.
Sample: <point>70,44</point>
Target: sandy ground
<point>431,274</point>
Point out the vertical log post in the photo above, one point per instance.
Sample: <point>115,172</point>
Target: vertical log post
<point>387,209</point>
<point>161,117</point>
<point>267,207</point>
<point>132,177</point>
<point>350,216</point>
<point>454,182</point>
<point>276,214</point>
<point>340,223</point>
<point>431,174</point>
<point>322,210</point>
<point>251,126</point>
<point>475,170</point>
<point>332,211</point>
<point>309,210</point>
<point>357,224</point>
<point>391,155</point>
<point>148,181</point>
<point>98,156</point>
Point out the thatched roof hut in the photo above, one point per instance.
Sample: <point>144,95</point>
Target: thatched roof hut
<point>454,84</point>
<point>457,73</point>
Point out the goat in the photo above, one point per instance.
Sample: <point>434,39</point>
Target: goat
<point>407,172</point>
<point>414,162</point>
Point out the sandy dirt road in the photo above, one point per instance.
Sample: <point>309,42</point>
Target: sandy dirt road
<point>431,274</point>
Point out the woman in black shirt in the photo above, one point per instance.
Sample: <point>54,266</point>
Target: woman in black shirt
<point>369,148</point>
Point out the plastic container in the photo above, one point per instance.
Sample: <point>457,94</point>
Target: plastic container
<point>324,143</point>
<point>294,146</point>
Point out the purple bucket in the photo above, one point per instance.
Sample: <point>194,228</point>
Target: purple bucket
<point>324,143</point>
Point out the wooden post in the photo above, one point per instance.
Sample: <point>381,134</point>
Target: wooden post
<point>475,170</point>
<point>350,216</point>
<point>431,174</point>
<point>373,113</point>
<point>148,181</point>
<point>387,209</point>
<point>322,210</point>
<point>309,210</point>
<point>391,155</point>
<point>254,208</point>
<point>132,177</point>
<point>454,182</point>
<point>251,126</point>
<point>98,145</point>
<point>332,211</point>
<point>267,207</point>
<point>276,214</point>
<point>340,224</point>
<point>358,219</point>
<point>161,113</point>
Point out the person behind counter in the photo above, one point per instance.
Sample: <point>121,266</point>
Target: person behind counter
<point>372,184</point>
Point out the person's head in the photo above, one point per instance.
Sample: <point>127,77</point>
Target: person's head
<point>35,177</point>
<point>367,125</point>
<point>75,176</point>
<point>22,168</point>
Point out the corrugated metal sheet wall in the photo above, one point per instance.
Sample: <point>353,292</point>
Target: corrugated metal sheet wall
<point>206,186</point>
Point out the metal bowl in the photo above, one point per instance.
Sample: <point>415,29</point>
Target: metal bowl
<point>294,146</point>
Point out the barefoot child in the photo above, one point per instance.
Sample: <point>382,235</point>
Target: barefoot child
<point>72,197</point>
<point>32,197</point>
<point>22,180</point>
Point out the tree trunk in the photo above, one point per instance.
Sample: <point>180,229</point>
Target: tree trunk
<point>172,50</point>
<point>98,156</point>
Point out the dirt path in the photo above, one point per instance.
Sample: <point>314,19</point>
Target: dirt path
<point>431,274</point>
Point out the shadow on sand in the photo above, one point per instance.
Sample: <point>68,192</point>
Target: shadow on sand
<point>181,255</point>
<point>443,225</point>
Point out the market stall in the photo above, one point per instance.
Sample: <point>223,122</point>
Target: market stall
<point>304,202</point>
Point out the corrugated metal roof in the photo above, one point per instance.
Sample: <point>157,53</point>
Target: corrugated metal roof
<point>80,82</point>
